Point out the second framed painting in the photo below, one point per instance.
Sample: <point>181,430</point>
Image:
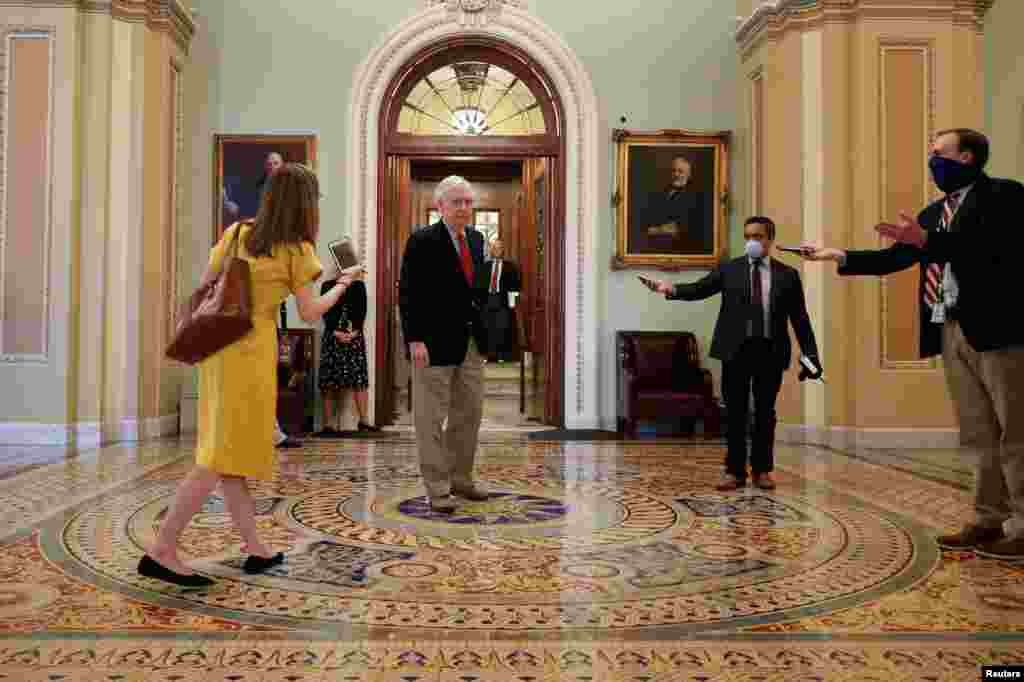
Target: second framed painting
<point>671,199</point>
<point>242,166</point>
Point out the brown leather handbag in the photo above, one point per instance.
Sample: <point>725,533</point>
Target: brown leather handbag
<point>218,313</point>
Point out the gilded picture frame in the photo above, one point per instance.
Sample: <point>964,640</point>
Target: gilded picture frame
<point>671,199</point>
<point>239,175</point>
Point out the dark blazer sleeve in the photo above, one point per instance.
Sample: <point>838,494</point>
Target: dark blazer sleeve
<point>333,314</point>
<point>705,287</point>
<point>1002,243</point>
<point>800,320</point>
<point>511,279</point>
<point>356,301</point>
<point>411,287</point>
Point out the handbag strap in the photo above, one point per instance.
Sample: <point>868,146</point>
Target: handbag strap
<point>231,251</point>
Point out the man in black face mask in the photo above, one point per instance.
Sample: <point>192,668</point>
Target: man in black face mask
<point>970,249</point>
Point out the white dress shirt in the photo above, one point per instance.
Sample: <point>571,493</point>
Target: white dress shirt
<point>950,288</point>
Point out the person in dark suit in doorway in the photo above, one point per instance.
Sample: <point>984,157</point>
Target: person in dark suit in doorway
<point>969,246</point>
<point>441,303</point>
<point>500,276</point>
<point>759,296</point>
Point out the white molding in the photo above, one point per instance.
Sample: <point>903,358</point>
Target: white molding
<point>88,434</point>
<point>517,26</point>
<point>848,438</point>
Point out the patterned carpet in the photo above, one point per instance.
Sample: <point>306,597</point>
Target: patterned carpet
<point>591,561</point>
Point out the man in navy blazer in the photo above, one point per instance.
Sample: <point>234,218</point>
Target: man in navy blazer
<point>970,246</point>
<point>760,296</point>
<point>441,303</point>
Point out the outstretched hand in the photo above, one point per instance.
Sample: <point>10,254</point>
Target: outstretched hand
<point>806,373</point>
<point>906,231</point>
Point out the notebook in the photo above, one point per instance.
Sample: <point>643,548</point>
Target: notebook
<point>343,253</point>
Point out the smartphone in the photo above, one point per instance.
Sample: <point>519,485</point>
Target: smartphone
<point>799,250</point>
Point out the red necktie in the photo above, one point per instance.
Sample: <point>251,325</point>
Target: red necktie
<point>933,275</point>
<point>494,277</point>
<point>467,260</point>
<point>757,299</point>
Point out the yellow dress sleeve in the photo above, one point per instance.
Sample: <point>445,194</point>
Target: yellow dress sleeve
<point>306,267</point>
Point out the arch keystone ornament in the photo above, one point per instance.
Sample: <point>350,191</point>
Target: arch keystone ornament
<point>507,21</point>
<point>475,12</point>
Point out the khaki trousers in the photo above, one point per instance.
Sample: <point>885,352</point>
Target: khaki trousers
<point>987,393</point>
<point>455,392</point>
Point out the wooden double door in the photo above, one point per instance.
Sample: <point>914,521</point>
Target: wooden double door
<point>519,195</point>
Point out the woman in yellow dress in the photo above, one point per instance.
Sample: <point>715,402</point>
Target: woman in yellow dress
<point>237,385</point>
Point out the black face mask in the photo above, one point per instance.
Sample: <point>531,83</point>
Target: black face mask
<point>950,174</point>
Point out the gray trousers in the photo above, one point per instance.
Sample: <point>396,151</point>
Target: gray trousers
<point>988,394</point>
<point>455,392</point>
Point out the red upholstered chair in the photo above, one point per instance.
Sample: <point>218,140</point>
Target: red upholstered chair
<point>295,352</point>
<point>660,378</point>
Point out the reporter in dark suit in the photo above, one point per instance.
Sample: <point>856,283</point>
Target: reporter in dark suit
<point>969,246</point>
<point>759,296</point>
<point>441,305</point>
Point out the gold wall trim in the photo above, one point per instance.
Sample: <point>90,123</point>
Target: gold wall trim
<point>770,21</point>
<point>755,89</point>
<point>926,47</point>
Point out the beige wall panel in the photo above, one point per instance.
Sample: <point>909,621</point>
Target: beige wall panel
<point>912,395</point>
<point>837,333</point>
<point>95,213</point>
<point>904,143</point>
<point>154,214</point>
<point>783,167</point>
<point>171,374</point>
<point>26,215</point>
<point>41,396</point>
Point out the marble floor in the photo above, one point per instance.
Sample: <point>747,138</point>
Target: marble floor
<point>591,562</point>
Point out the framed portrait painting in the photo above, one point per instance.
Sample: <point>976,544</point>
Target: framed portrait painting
<point>671,199</point>
<point>242,165</point>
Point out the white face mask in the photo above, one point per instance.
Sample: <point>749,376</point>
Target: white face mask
<point>754,248</point>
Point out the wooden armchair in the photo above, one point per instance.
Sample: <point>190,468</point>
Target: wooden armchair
<point>660,378</point>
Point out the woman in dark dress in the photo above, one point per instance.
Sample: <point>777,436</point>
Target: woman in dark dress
<point>501,277</point>
<point>343,357</point>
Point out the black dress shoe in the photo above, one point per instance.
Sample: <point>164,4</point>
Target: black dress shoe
<point>289,443</point>
<point>442,505</point>
<point>257,564</point>
<point>366,427</point>
<point>150,568</point>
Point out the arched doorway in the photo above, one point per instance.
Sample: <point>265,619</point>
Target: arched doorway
<point>477,104</point>
<point>509,22</point>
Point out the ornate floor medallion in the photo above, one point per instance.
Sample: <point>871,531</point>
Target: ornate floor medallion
<point>560,546</point>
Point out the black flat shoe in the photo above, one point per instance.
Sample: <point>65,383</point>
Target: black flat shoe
<point>366,427</point>
<point>150,568</point>
<point>257,564</point>
<point>326,432</point>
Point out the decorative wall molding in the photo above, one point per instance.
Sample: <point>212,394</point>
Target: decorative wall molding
<point>88,434</point>
<point>771,19</point>
<point>472,13</point>
<point>514,25</point>
<point>8,33</point>
<point>167,16</point>
<point>926,47</point>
